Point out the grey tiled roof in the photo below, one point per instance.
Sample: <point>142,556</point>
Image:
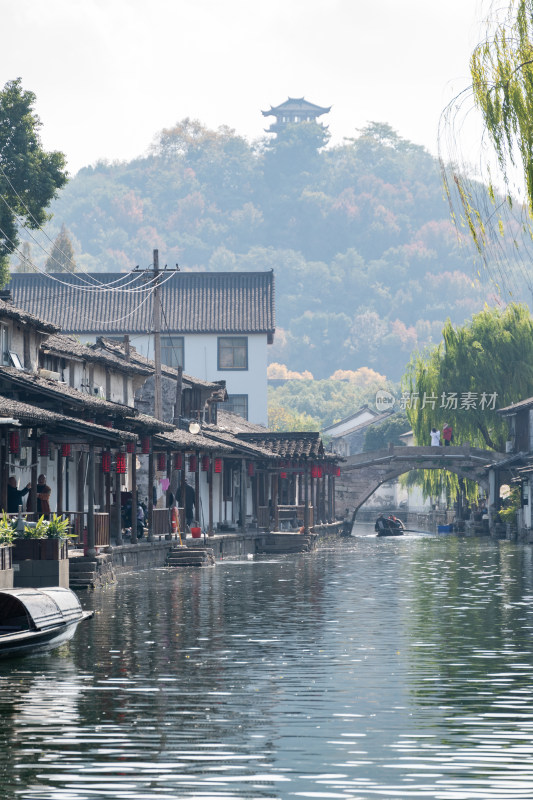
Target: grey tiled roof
<point>61,393</point>
<point>183,440</point>
<point>297,445</point>
<point>31,416</point>
<point>296,104</point>
<point>61,345</point>
<point>234,423</point>
<point>193,302</point>
<point>10,311</point>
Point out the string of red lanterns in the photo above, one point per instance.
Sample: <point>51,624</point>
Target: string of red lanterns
<point>14,442</point>
<point>145,445</point>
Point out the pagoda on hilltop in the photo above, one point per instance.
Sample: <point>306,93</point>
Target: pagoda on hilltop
<point>293,111</point>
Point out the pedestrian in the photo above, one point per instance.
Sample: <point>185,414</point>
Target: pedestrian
<point>447,434</point>
<point>435,437</point>
<point>15,495</point>
<point>43,497</point>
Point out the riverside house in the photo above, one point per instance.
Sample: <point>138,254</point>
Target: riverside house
<point>71,412</point>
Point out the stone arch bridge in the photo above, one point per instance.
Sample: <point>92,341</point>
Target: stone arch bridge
<point>363,473</point>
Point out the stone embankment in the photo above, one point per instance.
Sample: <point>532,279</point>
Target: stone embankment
<point>86,572</point>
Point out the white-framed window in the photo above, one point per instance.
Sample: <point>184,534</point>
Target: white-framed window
<point>232,352</point>
<point>4,345</point>
<point>173,351</point>
<point>236,404</point>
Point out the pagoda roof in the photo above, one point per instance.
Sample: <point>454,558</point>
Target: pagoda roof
<point>296,104</point>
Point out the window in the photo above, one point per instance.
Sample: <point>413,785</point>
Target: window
<point>233,352</point>
<point>4,345</point>
<point>237,404</point>
<point>172,351</point>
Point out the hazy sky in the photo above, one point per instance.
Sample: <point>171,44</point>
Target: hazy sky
<point>109,74</point>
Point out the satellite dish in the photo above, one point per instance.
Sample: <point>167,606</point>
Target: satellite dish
<point>194,427</point>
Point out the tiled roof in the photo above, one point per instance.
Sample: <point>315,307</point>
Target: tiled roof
<point>61,345</point>
<point>297,104</point>
<point>514,407</point>
<point>183,440</point>
<point>236,443</point>
<point>192,302</point>
<point>227,420</point>
<point>143,423</point>
<point>62,393</point>
<point>7,309</point>
<point>299,445</point>
<point>31,416</point>
<point>362,425</point>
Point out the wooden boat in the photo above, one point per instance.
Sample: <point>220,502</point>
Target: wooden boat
<point>389,527</point>
<point>35,620</point>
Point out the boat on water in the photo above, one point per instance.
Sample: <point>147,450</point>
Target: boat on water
<point>391,526</point>
<point>36,620</point>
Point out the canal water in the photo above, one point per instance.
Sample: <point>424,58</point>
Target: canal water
<point>373,668</point>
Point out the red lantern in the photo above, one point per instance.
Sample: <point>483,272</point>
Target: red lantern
<point>320,473</point>
<point>145,445</point>
<point>282,475</point>
<point>121,463</point>
<point>14,442</point>
<point>338,472</point>
<point>178,461</point>
<point>106,462</point>
<point>192,463</point>
<point>161,462</point>
<point>251,469</point>
<point>44,446</point>
<point>218,465</point>
<point>130,447</point>
<point>314,471</point>
<point>65,451</point>
<point>205,463</point>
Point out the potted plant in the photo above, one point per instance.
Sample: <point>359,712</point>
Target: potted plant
<point>42,540</point>
<point>6,545</point>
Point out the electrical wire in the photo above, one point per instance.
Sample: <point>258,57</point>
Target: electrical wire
<point>101,285</point>
<point>31,216</point>
<point>87,318</point>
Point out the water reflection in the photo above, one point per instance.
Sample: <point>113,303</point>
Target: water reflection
<point>374,668</point>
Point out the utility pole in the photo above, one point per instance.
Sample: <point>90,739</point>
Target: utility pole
<point>158,401</point>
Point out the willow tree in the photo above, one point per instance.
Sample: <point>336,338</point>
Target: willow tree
<point>490,185</point>
<point>478,368</point>
<point>502,80</point>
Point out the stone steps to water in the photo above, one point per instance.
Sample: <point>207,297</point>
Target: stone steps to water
<point>85,573</point>
<point>183,556</point>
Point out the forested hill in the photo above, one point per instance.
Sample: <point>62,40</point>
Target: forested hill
<point>367,262</point>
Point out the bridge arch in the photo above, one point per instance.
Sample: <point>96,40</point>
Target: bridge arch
<point>363,473</point>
